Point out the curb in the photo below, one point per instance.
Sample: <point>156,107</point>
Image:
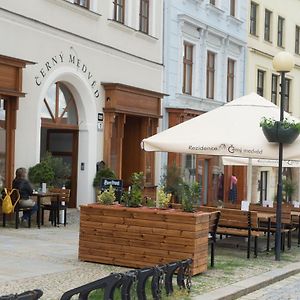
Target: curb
<point>250,285</point>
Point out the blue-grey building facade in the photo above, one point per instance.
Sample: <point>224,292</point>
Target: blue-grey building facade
<point>204,58</point>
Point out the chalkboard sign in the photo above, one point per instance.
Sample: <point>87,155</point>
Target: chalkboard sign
<point>117,184</point>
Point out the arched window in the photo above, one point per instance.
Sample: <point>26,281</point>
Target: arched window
<point>59,109</point>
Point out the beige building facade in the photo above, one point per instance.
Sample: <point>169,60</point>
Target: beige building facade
<point>273,26</point>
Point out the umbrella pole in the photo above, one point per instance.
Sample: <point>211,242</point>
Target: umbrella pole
<point>279,184</point>
<point>249,180</point>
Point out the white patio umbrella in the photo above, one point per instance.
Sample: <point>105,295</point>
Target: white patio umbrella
<point>230,130</point>
<point>242,161</point>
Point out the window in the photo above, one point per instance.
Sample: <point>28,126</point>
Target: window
<point>230,79</point>
<point>263,186</point>
<point>280,31</point>
<point>232,8</point>
<point>260,82</point>
<point>210,75</point>
<point>59,107</point>
<point>119,11</point>
<point>274,88</point>
<point>84,3</point>
<point>267,33</point>
<point>297,40</point>
<point>144,16</point>
<point>286,104</point>
<point>3,143</point>
<point>253,18</point>
<point>187,68</point>
<point>212,2</point>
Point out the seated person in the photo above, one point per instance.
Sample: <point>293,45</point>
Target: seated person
<point>22,184</point>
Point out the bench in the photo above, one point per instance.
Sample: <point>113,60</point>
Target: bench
<point>286,222</point>
<point>214,218</point>
<point>239,223</point>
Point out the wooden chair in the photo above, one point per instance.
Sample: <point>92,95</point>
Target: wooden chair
<point>14,196</point>
<point>56,206</point>
<point>239,223</point>
<point>286,222</point>
<point>213,226</point>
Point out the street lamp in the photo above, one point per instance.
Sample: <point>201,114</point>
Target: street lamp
<point>283,62</point>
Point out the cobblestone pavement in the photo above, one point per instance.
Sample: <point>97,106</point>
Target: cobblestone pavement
<point>45,258</point>
<point>287,289</point>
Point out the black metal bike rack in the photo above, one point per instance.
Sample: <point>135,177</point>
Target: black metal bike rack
<point>28,295</point>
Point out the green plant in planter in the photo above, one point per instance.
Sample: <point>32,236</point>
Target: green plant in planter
<point>172,181</point>
<point>190,195</point>
<point>280,132</point>
<point>163,199</point>
<point>289,188</point>
<point>107,197</point>
<point>51,170</point>
<point>134,196</point>
<point>106,173</point>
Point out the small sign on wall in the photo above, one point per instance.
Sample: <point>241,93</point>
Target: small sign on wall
<point>100,122</point>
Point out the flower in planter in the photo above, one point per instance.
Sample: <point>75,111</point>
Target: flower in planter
<point>280,132</point>
<point>107,197</point>
<point>163,198</point>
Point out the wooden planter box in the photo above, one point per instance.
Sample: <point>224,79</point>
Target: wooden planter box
<point>140,237</point>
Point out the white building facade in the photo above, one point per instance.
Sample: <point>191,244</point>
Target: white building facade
<point>204,51</point>
<point>93,61</point>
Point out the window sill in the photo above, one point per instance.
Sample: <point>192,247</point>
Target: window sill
<point>281,47</point>
<point>121,26</point>
<point>234,20</point>
<point>77,8</point>
<point>255,36</point>
<point>127,28</point>
<point>270,43</point>
<point>214,9</point>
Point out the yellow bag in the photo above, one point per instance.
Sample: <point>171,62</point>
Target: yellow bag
<point>7,206</point>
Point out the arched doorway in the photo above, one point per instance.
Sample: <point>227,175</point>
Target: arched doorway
<point>59,131</point>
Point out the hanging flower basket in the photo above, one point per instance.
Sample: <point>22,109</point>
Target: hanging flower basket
<point>284,132</point>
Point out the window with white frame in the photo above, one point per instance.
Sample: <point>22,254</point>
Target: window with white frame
<point>260,82</point>
<point>232,8</point>
<point>210,75</point>
<point>274,88</point>
<point>144,16</point>
<point>230,79</point>
<point>119,11</point>
<point>267,29</point>
<point>83,3</point>
<point>280,32</point>
<point>187,83</point>
<point>253,18</point>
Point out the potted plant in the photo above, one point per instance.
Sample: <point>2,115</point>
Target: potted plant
<point>172,182</point>
<point>51,170</point>
<point>190,195</point>
<point>163,199</point>
<point>102,173</point>
<point>134,196</point>
<point>107,197</point>
<point>289,188</point>
<point>280,132</point>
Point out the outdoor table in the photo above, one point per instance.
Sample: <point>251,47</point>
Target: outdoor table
<point>297,214</point>
<point>39,196</point>
<point>266,216</point>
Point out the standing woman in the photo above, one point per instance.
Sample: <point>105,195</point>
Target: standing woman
<point>22,184</point>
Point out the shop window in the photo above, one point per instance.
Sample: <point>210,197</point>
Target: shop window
<point>230,79</point>
<point>2,143</point>
<point>280,32</point>
<point>274,86</point>
<point>267,31</point>
<point>297,40</point>
<point>119,11</point>
<point>253,18</point>
<point>210,75</point>
<point>144,16</point>
<point>260,82</point>
<point>83,3</point>
<point>187,68</point>
<point>59,107</point>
